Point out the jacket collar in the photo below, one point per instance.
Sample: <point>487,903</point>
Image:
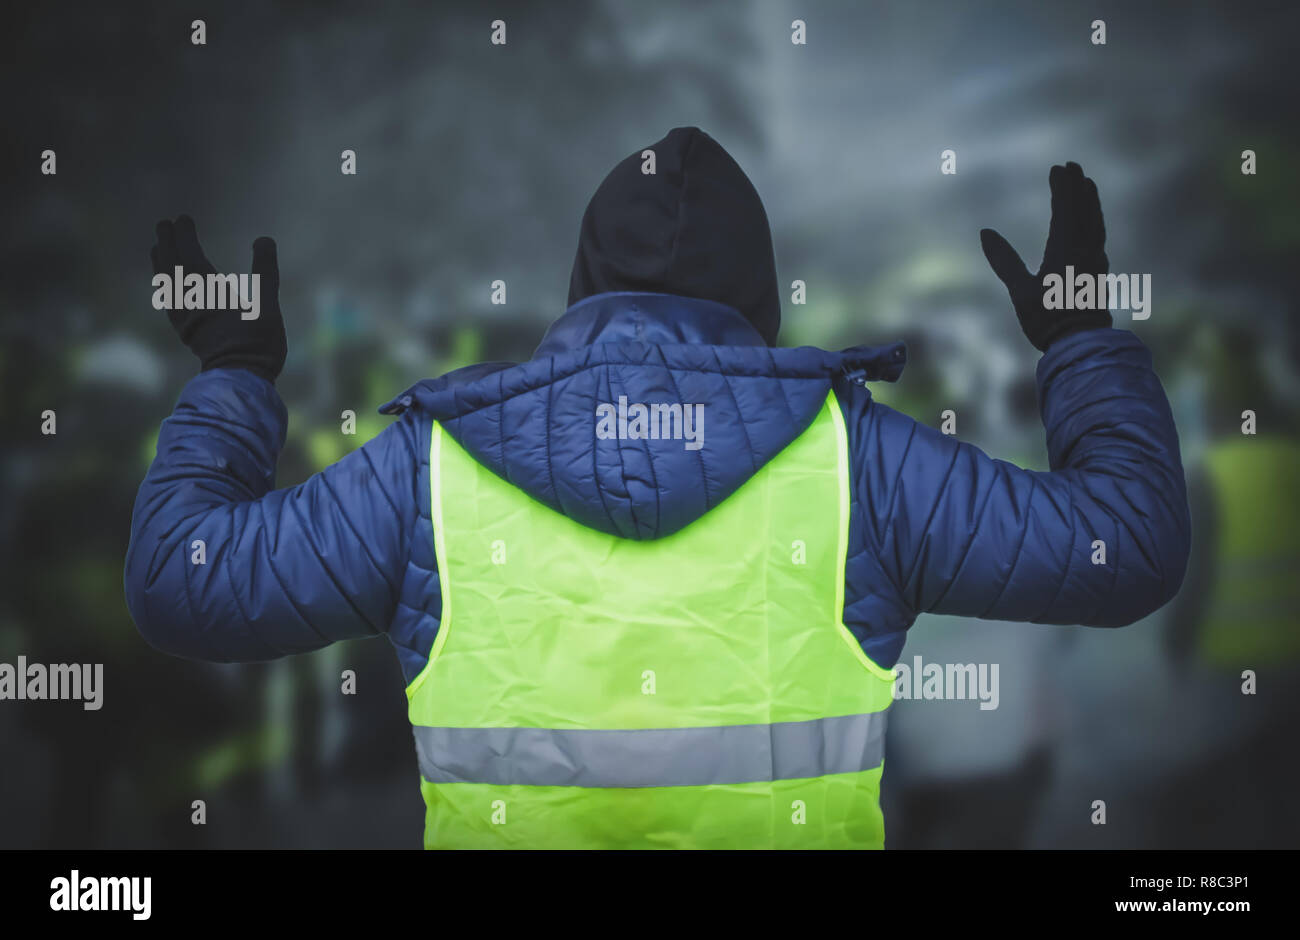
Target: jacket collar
<point>653,319</point>
<point>618,328</point>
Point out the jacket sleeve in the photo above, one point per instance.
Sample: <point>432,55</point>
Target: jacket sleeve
<point>960,533</point>
<point>280,571</point>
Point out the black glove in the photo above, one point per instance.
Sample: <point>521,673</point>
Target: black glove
<point>1077,237</point>
<point>221,338</point>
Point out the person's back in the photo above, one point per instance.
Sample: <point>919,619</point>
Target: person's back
<point>647,587</point>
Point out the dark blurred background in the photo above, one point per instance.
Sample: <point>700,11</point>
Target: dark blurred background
<point>474,162</point>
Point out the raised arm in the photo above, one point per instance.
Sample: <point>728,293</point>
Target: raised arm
<point>962,533</point>
<point>1103,538</point>
<point>222,566</point>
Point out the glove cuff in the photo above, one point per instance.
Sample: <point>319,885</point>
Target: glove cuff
<point>1060,327</point>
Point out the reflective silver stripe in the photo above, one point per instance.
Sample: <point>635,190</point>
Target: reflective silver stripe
<point>655,757</point>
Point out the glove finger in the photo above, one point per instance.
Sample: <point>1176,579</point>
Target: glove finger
<point>163,256</point>
<point>166,235</point>
<point>188,248</point>
<point>1078,247</point>
<point>266,263</point>
<point>1096,225</point>
<point>1054,252</point>
<point>1003,259</point>
<point>163,266</point>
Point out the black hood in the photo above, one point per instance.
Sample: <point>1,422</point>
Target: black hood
<point>694,228</point>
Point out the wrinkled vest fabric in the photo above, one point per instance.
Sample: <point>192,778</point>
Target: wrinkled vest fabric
<point>1254,610</point>
<point>695,691</point>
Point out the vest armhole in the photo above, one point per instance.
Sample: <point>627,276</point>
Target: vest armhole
<point>440,554</point>
<point>843,477</point>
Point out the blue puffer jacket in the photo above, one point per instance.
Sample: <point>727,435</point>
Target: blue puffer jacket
<point>936,524</point>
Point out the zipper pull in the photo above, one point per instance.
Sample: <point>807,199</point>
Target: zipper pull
<point>857,376</point>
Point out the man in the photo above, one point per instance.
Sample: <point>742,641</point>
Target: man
<point>647,588</point>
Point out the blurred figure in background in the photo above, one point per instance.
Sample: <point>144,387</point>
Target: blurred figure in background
<point>1233,636</point>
